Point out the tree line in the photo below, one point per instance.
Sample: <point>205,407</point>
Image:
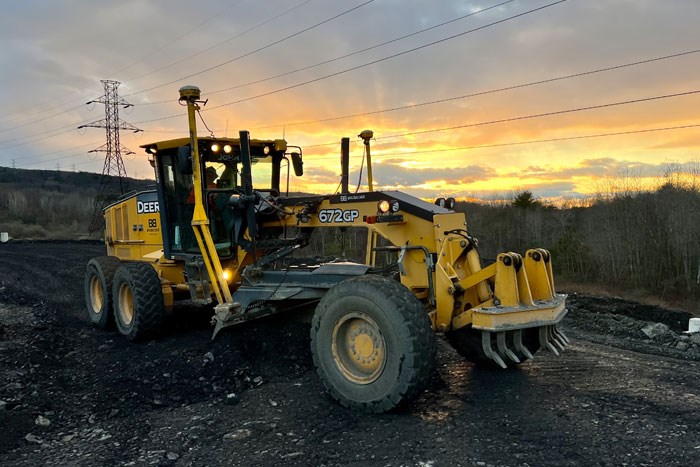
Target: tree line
<point>50,204</point>
<point>632,238</point>
<point>642,240</point>
<point>624,236</point>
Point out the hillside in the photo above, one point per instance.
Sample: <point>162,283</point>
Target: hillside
<point>50,204</point>
<point>644,241</point>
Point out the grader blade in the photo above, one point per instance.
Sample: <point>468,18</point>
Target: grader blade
<point>503,348</point>
<point>488,350</point>
<point>518,344</point>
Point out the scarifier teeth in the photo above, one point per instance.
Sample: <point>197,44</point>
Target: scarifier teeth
<point>550,338</point>
<point>503,348</point>
<point>544,340</point>
<point>488,350</point>
<point>518,344</point>
<point>562,337</point>
<point>553,339</point>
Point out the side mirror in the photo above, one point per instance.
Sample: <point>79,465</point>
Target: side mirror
<point>298,164</point>
<point>184,160</point>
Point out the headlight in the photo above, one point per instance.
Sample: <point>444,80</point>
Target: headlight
<point>266,150</point>
<point>395,206</point>
<point>215,147</point>
<point>227,275</point>
<point>440,202</point>
<point>227,148</point>
<point>383,206</point>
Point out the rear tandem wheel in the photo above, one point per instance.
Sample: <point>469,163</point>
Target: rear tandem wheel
<point>99,275</point>
<point>138,300</point>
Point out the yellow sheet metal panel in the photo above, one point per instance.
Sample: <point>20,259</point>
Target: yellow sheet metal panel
<point>133,226</point>
<point>506,282</point>
<point>499,318</point>
<point>118,223</point>
<point>123,252</point>
<point>538,266</point>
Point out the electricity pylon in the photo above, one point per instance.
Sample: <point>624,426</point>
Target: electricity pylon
<point>113,171</point>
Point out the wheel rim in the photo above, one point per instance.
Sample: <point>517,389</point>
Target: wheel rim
<point>96,295</point>
<point>358,347</point>
<point>126,304</point>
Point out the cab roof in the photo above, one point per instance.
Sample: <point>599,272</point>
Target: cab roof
<point>176,143</point>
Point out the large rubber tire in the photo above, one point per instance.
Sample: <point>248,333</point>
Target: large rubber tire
<point>138,300</point>
<point>372,344</point>
<point>467,342</point>
<point>99,275</point>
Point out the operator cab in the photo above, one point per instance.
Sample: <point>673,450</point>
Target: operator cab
<point>221,185</point>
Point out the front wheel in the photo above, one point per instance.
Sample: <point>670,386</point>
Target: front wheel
<point>372,344</point>
<point>138,300</point>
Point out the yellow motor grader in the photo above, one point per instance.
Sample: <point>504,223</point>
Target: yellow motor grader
<point>208,235</point>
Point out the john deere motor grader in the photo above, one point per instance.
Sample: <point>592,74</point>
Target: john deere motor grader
<point>237,246</point>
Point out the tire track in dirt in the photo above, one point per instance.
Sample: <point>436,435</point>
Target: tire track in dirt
<point>166,402</point>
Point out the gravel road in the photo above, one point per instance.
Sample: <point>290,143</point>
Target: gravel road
<point>627,391</point>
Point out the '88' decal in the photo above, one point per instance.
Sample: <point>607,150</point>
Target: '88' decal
<point>326,216</point>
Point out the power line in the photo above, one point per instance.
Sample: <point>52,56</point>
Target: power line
<point>482,93</point>
<point>517,143</point>
<point>414,49</point>
<point>513,143</point>
<point>156,50</point>
<point>190,31</point>
<point>522,117</point>
<point>546,114</point>
<point>366,49</point>
<point>4,119</point>
<point>359,66</point>
<point>528,117</point>
<point>513,87</point>
<point>36,156</point>
<point>552,140</point>
<point>60,158</point>
<point>366,64</point>
<point>41,119</point>
<point>252,28</point>
<point>492,91</point>
<point>44,110</point>
<point>70,127</point>
<point>259,49</point>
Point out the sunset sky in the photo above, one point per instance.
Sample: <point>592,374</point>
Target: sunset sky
<point>483,64</point>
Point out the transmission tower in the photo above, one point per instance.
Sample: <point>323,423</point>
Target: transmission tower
<point>113,182</point>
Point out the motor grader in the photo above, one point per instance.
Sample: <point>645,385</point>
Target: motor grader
<point>238,246</point>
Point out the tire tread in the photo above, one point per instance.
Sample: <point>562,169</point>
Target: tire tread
<point>415,326</point>
<point>148,299</point>
<point>106,266</point>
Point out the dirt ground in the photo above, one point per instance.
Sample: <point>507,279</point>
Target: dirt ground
<point>626,392</point>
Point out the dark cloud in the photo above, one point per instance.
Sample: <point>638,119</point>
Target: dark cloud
<point>595,168</point>
<point>55,53</point>
<point>396,175</point>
